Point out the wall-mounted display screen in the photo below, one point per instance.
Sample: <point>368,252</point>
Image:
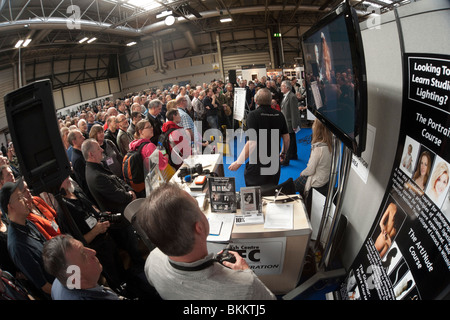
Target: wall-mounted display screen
<point>335,76</point>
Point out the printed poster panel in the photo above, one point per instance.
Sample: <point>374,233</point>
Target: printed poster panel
<point>406,255</point>
<point>265,256</point>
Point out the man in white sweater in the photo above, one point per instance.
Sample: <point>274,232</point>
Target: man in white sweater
<point>181,267</point>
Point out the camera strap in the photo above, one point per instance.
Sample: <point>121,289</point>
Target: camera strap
<point>202,266</point>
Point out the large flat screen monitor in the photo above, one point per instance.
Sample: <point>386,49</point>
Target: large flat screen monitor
<point>335,76</point>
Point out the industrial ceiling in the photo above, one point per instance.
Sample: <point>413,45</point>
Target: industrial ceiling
<point>56,27</point>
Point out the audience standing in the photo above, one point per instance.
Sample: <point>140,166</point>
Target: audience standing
<point>96,139</point>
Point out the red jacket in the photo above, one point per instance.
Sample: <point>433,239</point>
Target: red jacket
<point>176,138</point>
<point>46,225</point>
<point>147,150</point>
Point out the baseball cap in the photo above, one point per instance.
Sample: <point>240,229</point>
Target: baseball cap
<point>6,192</point>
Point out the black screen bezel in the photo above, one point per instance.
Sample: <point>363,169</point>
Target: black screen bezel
<point>357,143</point>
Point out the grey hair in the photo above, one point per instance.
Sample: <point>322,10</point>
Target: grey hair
<point>169,220</point>
<point>154,103</point>
<point>288,84</point>
<point>263,97</point>
<point>86,147</point>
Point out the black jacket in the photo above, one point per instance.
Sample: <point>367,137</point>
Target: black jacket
<point>109,191</point>
<point>157,128</point>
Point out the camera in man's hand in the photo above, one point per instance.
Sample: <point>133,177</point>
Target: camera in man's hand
<point>225,255</point>
<point>111,217</point>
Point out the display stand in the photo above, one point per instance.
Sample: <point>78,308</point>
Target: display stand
<point>341,158</point>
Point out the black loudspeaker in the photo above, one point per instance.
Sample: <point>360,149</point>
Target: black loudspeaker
<point>232,76</point>
<point>32,122</point>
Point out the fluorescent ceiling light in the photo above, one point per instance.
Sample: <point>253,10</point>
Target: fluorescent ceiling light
<point>26,42</point>
<point>18,44</point>
<point>145,4</point>
<point>83,40</point>
<point>371,4</point>
<point>163,14</point>
<point>91,40</point>
<point>129,44</point>
<point>227,19</point>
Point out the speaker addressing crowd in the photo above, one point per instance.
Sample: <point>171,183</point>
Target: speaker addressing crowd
<point>202,112</point>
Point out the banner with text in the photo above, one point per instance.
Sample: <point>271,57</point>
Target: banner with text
<point>406,254</point>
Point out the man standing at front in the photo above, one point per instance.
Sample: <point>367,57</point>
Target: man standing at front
<point>289,108</point>
<point>154,117</point>
<point>112,195</point>
<point>265,124</point>
<point>186,121</point>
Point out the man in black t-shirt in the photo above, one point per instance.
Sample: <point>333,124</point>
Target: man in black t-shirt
<point>265,126</point>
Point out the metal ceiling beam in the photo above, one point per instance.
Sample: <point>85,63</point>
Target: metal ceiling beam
<point>100,26</point>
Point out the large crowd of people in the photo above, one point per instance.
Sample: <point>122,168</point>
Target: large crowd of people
<point>37,242</point>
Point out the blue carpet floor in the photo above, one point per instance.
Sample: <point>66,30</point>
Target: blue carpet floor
<point>318,290</point>
<point>292,171</point>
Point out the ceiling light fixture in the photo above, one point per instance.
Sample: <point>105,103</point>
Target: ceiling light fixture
<point>91,40</point>
<point>83,40</point>
<point>22,43</point>
<point>132,43</point>
<point>226,19</point>
<point>26,42</point>
<point>170,20</point>
<point>18,44</point>
<point>163,14</point>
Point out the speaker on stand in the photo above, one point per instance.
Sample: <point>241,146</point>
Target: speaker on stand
<point>232,77</point>
<point>34,129</point>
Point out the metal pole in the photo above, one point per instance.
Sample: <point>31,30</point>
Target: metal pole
<point>269,39</point>
<point>345,166</point>
<point>330,194</point>
<point>20,68</point>
<point>219,53</point>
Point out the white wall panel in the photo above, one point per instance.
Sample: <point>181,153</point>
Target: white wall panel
<point>71,95</point>
<point>114,85</point>
<point>102,88</point>
<point>77,64</point>
<point>60,66</point>
<point>6,86</point>
<point>58,99</point>
<point>43,69</point>
<point>91,63</point>
<point>235,62</point>
<point>88,91</point>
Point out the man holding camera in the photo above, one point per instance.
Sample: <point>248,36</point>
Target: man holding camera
<point>173,221</point>
<point>112,195</point>
<point>94,229</point>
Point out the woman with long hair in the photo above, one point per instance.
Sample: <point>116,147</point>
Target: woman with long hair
<point>423,170</point>
<point>438,183</point>
<point>317,172</point>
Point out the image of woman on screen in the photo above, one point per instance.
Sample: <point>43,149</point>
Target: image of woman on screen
<point>326,58</point>
<point>423,170</point>
<point>438,183</point>
<point>317,171</point>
